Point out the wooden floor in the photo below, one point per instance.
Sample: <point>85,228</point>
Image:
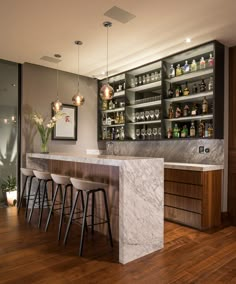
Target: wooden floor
<point>29,255</point>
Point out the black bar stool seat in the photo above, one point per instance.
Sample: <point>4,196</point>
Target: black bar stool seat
<point>29,175</point>
<point>90,188</point>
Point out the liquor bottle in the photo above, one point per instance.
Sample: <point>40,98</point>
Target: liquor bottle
<point>186,90</point>
<point>113,133</point>
<point>194,88</point>
<point>104,105</point>
<point>109,120</point>
<point>194,109</point>
<point>186,110</point>
<point>210,84</point>
<point>180,91</point>
<point>204,106</point>
<point>122,133</point>
<point>170,92</point>
<point>201,129</point>
<point>210,130</point>
<point>186,67</point>
<point>206,130</point>
<point>170,112</point>
<point>176,131</point>
<point>178,71</point>
<point>177,112</point>
<point>172,71</point>
<point>202,63</point>
<point>104,134</point>
<point>104,119</point>
<point>169,133</point>
<point>122,118</point>
<point>117,135</point>
<point>203,86</point>
<point>184,132</point>
<point>192,130</point>
<point>110,104</point>
<point>193,66</point>
<point>114,103</point>
<point>117,118</point>
<point>211,61</point>
<point>108,134</point>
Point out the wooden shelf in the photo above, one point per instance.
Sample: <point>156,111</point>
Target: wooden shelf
<point>193,97</point>
<point>146,87</point>
<point>144,122</point>
<point>119,94</point>
<point>114,110</point>
<point>189,118</point>
<point>154,103</point>
<point>191,75</point>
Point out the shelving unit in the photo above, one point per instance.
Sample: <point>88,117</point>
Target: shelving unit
<point>145,88</point>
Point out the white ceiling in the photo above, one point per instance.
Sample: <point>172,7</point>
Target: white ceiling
<point>30,29</point>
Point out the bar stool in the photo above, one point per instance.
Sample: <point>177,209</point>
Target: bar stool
<point>90,188</point>
<point>61,181</point>
<point>29,175</point>
<point>44,178</point>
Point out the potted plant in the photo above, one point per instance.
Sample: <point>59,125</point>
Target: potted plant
<point>10,188</point>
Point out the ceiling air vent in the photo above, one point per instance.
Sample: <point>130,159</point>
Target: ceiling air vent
<point>50,59</point>
<point>119,15</point>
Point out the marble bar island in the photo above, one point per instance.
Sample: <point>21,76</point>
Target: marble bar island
<point>135,195</point>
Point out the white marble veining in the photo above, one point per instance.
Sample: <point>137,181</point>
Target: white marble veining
<point>193,167</point>
<point>141,199</point>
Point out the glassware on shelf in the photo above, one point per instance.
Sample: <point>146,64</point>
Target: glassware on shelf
<point>157,113</point>
<point>137,133</point>
<point>154,132</point>
<point>142,116</point>
<point>144,80</point>
<point>132,83</point>
<point>147,79</point>
<point>149,133</point>
<point>202,63</point>
<point>147,114</point>
<point>122,133</point>
<point>159,132</point>
<point>178,71</point>
<point>137,116</point>
<point>140,82</point>
<point>136,81</point>
<point>152,77</point>
<point>143,133</point>
<point>210,84</point>
<point>155,75</point>
<point>152,114</point>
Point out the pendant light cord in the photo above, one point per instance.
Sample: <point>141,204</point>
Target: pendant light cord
<point>107,54</point>
<point>57,81</point>
<point>78,67</point>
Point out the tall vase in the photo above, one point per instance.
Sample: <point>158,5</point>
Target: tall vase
<point>44,148</point>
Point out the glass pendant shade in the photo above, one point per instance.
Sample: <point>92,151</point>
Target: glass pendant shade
<point>78,100</point>
<point>106,92</point>
<point>57,106</point>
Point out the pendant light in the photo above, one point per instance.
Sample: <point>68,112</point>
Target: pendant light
<point>107,91</point>
<point>78,99</point>
<point>57,105</point>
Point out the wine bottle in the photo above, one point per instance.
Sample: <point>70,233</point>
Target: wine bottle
<point>186,110</point>
<point>176,131</point>
<point>201,129</point>
<point>177,112</point>
<point>184,132</point>
<point>122,133</point>
<point>203,86</point>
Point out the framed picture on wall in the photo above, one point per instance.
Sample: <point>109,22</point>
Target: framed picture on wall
<point>66,128</point>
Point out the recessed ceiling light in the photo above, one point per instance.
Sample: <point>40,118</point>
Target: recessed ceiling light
<point>103,72</point>
<point>188,40</point>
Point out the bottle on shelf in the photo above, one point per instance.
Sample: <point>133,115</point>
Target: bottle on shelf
<point>194,109</point>
<point>206,130</point>
<point>210,131</point>
<point>192,130</point>
<point>170,92</point>
<point>122,118</point>
<point>186,90</point>
<point>172,71</point>
<point>176,131</point>
<point>178,71</point>
<point>117,134</point>
<point>202,63</point>
<point>178,91</point>
<point>113,133</point>
<point>156,76</point>
<point>177,112</point>
<point>169,133</point>
<point>104,134</point>
<point>109,120</point>
<point>186,67</point>
<point>210,84</point>
<point>201,129</point>
<point>194,89</point>
<point>203,86</point>
<point>117,118</point>
<point>170,112</point>
<point>110,105</point>
<point>211,60</point>
<point>152,77</point>
<point>104,119</point>
<point>104,105</point>
<point>184,132</point>
<point>186,110</point>
<point>193,66</point>
<point>122,133</point>
<point>204,106</point>
<point>108,134</point>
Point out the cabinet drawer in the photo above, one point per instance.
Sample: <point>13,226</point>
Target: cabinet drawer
<point>183,217</point>
<point>193,205</point>
<point>183,189</point>
<point>183,176</point>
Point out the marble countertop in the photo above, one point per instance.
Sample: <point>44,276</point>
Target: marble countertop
<point>192,167</point>
<point>109,160</point>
